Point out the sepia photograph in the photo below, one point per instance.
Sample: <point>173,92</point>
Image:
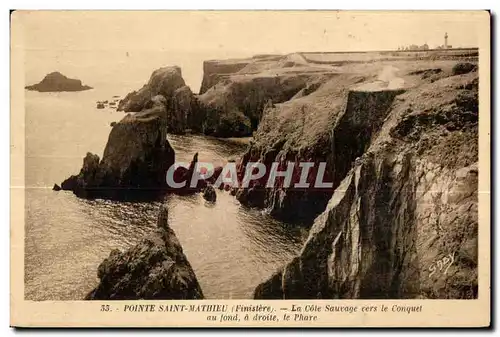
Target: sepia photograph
<point>250,155</point>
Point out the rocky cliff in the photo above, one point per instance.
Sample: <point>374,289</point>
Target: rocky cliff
<point>334,125</point>
<point>57,82</point>
<point>400,142</point>
<point>163,81</point>
<point>178,104</point>
<point>402,221</point>
<point>234,93</point>
<point>135,160</point>
<point>156,268</point>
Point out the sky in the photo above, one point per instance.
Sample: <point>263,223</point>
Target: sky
<point>204,35</point>
<point>257,31</point>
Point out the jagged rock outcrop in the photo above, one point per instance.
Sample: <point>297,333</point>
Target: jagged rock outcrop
<point>333,125</point>
<point>135,161</point>
<point>57,82</point>
<point>184,112</point>
<point>86,178</point>
<point>163,81</point>
<point>166,88</point>
<point>215,71</point>
<point>403,222</point>
<point>155,268</point>
<point>184,175</point>
<point>209,194</point>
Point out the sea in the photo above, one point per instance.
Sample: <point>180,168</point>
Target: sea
<point>231,248</point>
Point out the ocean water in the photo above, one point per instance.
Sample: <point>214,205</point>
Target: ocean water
<point>230,247</point>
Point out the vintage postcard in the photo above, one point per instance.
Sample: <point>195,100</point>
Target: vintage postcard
<point>250,169</point>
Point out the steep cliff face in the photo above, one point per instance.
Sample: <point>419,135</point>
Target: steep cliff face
<point>163,81</point>
<point>135,161</point>
<point>403,221</point>
<point>234,107</point>
<point>156,268</point>
<point>234,93</point>
<point>214,71</point>
<point>334,125</point>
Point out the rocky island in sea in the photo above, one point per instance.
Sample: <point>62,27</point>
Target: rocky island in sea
<point>398,135</point>
<point>57,82</point>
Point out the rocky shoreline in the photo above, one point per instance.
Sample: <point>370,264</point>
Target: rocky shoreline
<point>400,142</point>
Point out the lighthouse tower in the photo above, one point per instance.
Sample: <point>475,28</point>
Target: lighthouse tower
<point>445,40</point>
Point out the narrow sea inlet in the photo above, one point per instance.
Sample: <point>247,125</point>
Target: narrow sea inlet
<point>231,248</point>
<point>374,144</point>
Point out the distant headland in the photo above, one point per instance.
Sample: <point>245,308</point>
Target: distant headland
<point>56,82</point>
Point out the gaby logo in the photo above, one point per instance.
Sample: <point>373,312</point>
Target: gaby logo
<point>301,175</point>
